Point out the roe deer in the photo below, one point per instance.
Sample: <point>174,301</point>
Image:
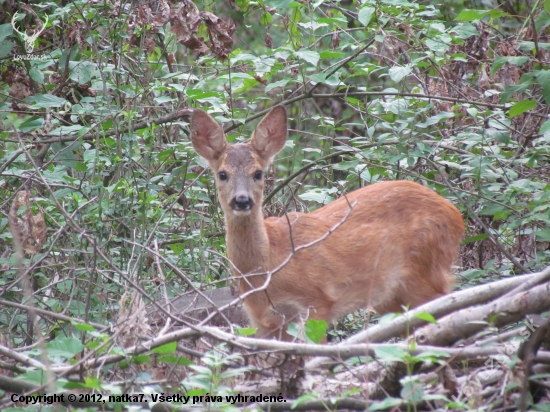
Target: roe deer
<point>383,246</point>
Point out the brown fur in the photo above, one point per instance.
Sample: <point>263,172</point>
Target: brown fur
<point>394,248</point>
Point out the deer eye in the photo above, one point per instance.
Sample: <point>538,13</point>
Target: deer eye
<point>222,176</point>
<point>258,175</point>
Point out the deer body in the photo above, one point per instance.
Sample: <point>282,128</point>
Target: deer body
<point>384,246</point>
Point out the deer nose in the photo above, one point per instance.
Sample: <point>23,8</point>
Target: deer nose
<point>242,203</point>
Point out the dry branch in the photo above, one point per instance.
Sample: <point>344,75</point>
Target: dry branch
<point>50,314</point>
<point>502,312</point>
<point>254,345</point>
<point>437,308</point>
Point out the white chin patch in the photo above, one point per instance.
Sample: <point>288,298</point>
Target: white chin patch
<point>241,212</point>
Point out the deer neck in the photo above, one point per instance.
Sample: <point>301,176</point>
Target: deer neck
<point>247,247</point>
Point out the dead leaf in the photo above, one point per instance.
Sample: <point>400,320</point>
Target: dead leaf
<point>335,40</point>
<point>28,230</point>
<point>484,81</point>
<point>268,41</point>
<point>260,80</point>
<point>185,22</point>
<point>220,33</point>
<point>132,321</point>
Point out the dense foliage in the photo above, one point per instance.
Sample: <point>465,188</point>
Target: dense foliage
<point>110,209</point>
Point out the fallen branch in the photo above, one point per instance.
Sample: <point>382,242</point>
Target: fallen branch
<point>253,345</point>
<point>467,322</point>
<point>437,308</point>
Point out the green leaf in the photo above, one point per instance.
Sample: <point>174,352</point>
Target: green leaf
<point>177,248</point>
<point>399,2</point>
<point>266,18</point>
<point>309,56</point>
<point>141,359</point>
<point>92,383</point>
<point>432,354</point>
<point>437,46</point>
<point>169,358</point>
<point>398,73</point>
<point>471,15</point>
<point>346,165</point>
<point>526,186</point>
<point>78,385</point>
<point>243,5</point>
<point>331,54</point>
<point>199,94</point>
<point>333,80</point>
<point>183,361</point>
<point>391,354</point>
<point>316,330</point>
<point>64,347</point>
<point>279,4</point>
<point>412,390</point>
<point>428,317</point>
<point>518,88</point>
<point>293,330</point>
<point>304,398</point>
<point>245,331</point>
<point>436,119</point>
<point>387,403</point>
<point>312,25</point>
<point>465,30</point>
<point>473,274</point>
<point>5,31</point>
<point>333,20</point>
<point>318,77</point>
<point>280,83</point>
<point>319,195</point>
<point>545,129</point>
<point>542,21</point>
<point>496,210</point>
<point>387,318</point>
<point>36,75</point>
<point>475,238</point>
<point>168,348</point>
<point>243,57</point>
<point>83,72</point>
<point>521,107</point>
<point>231,373</point>
<point>84,327</point>
<point>502,60</point>
<point>529,46</point>
<point>31,124</point>
<point>543,78</point>
<point>5,48</point>
<point>37,377</point>
<point>496,13</point>
<point>43,101</point>
<point>65,130</point>
<point>543,235</point>
<point>365,14</point>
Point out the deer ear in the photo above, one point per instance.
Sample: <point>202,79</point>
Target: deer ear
<point>207,136</point>
<point>270,135</point>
